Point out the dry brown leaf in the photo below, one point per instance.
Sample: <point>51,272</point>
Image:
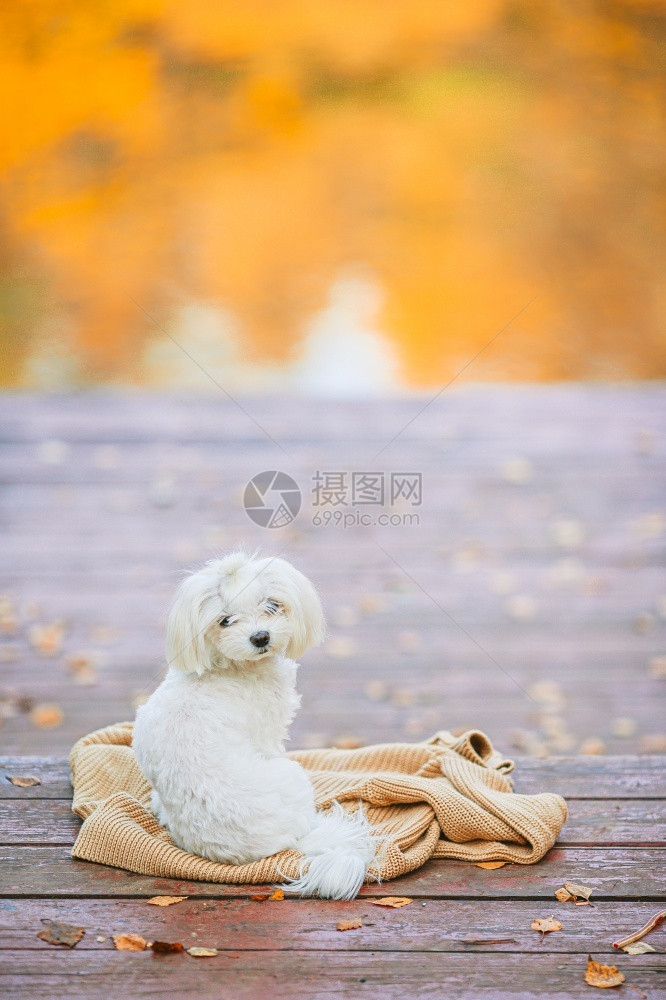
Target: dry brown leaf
<point>259,898</point>
<point>603,976</point>
<point>347,741</point>
<point>638,948</point>
<point>46,716</point>
<point>546,925</point>
<point>278,894</point>
<point>593,746</point>
<point>579,891</point>
<point>202,952</point>
<point>579,894</point>
<point>23,781</point>
<point>129,942</point>
<point>350,925</point>
<point>166,900</point>
<point>490,865</point>
<point>166,947</point>
<point>393,901</point>
<point>47,639</point>
<point>83,667</point>
<point>57,933</point>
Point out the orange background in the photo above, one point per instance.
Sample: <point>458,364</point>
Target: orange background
<point>462,159</point>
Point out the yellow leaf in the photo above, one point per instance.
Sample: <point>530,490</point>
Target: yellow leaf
<point>202,952</point>
<point>393,901</point>
<point>638,948</point>
<point>490,865</point>
<point>166,900</point>
<point>579,894</point>
<point>578,891</point>
<point>129,942</point>
<point>22,781</point>
<point>545,925</point>
<point>350,925</point>
<point>602,976</point>
<point>278,894</point>
<point>46,716</point>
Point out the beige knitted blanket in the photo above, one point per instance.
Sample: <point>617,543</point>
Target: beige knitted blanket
<point>449,797</point>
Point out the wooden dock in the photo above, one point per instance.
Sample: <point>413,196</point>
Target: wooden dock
<point>529,600</point>
<point>466,933</point>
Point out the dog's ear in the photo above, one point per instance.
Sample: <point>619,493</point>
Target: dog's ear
<point>186,627</point>
<point>307,617</point>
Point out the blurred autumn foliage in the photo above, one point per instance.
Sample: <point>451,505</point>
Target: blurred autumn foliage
<point>468,156</point>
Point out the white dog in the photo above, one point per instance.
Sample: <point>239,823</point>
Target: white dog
<point>210,740</point>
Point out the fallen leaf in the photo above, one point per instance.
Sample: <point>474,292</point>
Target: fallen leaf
<point>100,938</point>
<point>350,925</point>
<point>47,639</point>
<point>603,976</point>
<point>129,942</point>
<point>378,690</point>
<point>409,642</point>
<point>278,894</point>
<point>347,741</point>
<point>260,898</point>
<point>83,667</point>
<point>202,952</point>
<point>653,743</point>
<point>638,948</point>
<point>520,607</point>
<point>46,716</point>
<point>340,648</point>
<point>579,894</point>
<point>393,901</point>
<point>23,781</point>
<point>517,470</point>
<point>166,947</point>
<point>579,891</point>
<point>371,604</point>
<point>546,925</point>
<point>490,865</point>
<point>403,698</point>
<point>57,933</point>
<point>166,900</point>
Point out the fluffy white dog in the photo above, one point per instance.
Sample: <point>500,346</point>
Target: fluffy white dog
<point>210,740</point>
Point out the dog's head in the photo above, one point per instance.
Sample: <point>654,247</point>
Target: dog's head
<point>241,610</point>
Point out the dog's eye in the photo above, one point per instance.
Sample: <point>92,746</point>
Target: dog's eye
<point>272,607</point>
<point>225,622</point>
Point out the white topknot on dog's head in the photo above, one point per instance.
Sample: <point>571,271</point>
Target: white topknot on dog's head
<point>242,610</point>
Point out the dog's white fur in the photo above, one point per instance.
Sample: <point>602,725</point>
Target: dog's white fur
<point>210,740</point>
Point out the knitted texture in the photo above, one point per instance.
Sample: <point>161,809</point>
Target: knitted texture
<point>449,797</point>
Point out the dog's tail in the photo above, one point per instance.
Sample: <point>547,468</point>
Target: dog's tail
<point>338,851</point>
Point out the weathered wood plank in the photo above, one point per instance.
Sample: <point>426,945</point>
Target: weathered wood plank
<point>312,975</point>
<point>573,777</point>
<point>613,822</point>
<point>613,873</point>
<point>311,925</point>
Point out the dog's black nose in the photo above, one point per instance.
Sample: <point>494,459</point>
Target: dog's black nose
<point>260,639</point>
